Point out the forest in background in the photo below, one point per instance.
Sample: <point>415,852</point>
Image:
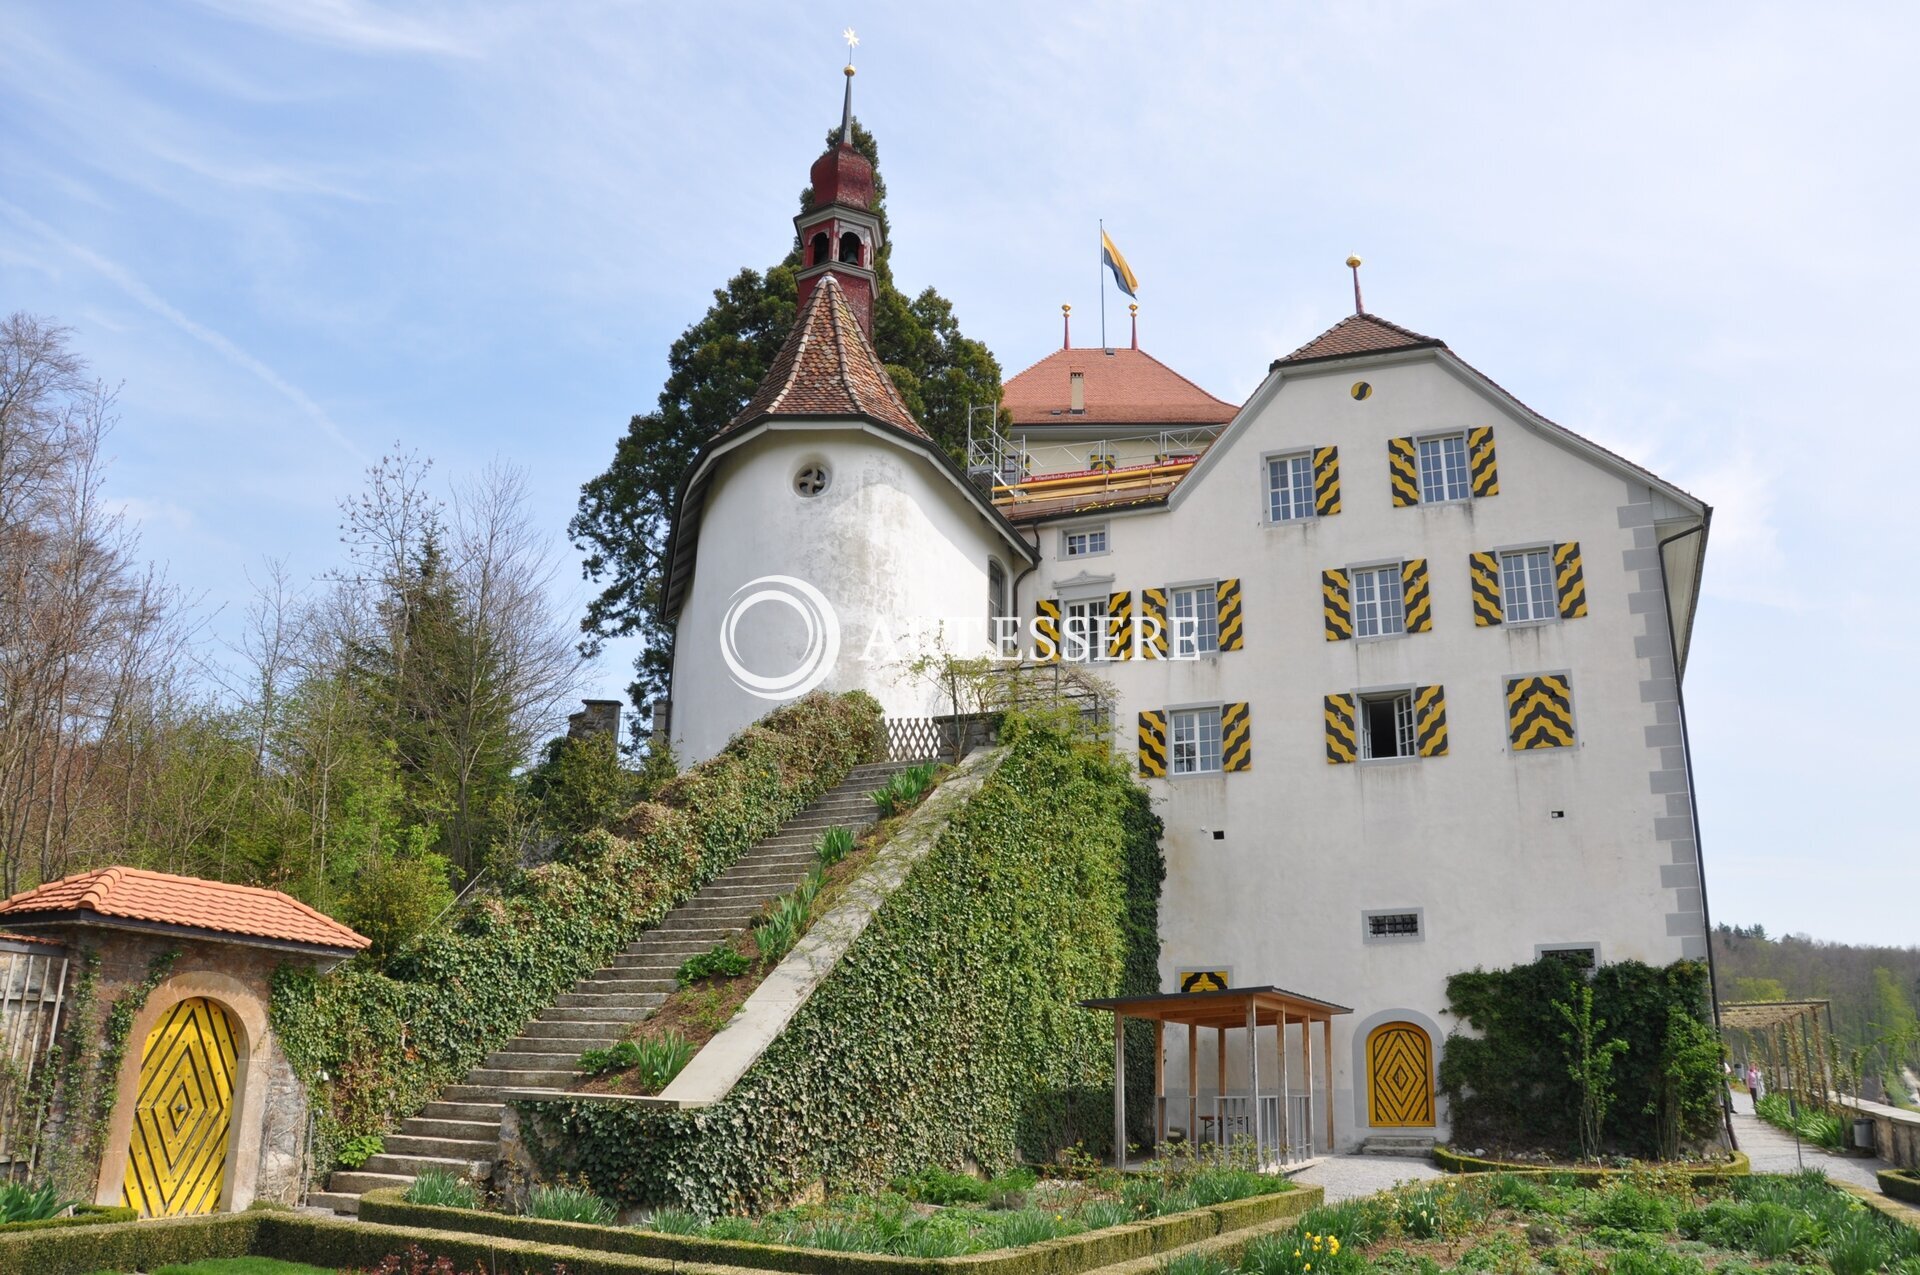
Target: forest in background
<point>1872,992</point>
<point>370,743</point>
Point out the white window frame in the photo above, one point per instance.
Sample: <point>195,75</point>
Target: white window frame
<point>1406,729</point>
<point>1302,512</point>
<point>1444,477</point>
<point>1419,934</point>
<point>1374,612</point>
<point>1003,630</point>
<point>1529,587</point>
<point>1096,644</point>
<point>1200,718</point>
<point>1190,642</point>
<point>1090,531</point>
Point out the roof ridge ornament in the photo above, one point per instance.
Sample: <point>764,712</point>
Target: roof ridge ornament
<point>846,105</point>
<point>1353,264</point>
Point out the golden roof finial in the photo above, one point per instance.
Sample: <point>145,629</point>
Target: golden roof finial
<point>853,42</point>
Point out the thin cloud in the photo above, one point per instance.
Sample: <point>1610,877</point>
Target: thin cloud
<point>200,332</point>
<point>347,24</point>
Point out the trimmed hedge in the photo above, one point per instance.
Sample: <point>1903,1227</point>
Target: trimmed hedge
<point>1456,1162</point>
<point>389,1039</point>
<point>128,1246</point>
<point>949,1032</point>
<point>1901,1184</point>
<point>83,1215</point>
<point>1066,1256</point>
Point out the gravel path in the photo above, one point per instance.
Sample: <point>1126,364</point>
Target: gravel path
<point>1772,1151</point>
<point>1348,1176</point>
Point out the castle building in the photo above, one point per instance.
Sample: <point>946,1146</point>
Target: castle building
<point>1399,658</point>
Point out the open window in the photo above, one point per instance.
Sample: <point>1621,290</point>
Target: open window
<point>820,250</point>
<point>1386,726</point>
<point>850,249</point>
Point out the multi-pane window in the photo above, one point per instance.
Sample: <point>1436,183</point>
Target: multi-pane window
<point>1443,468</point>
<point>1581,957</point>
<point>1196,621</point>
<point>1002,631</point>
<point>1195,741</point>
<point>1379,605</point>
<point>1526,586</point>
<point>1393,925</point>
<point>1088,540</point>
<point>1386,725</point>
<point>1083,632</point>
<point>1289,487</point>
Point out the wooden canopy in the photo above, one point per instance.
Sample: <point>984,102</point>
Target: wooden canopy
<point>1756,1015</point>
<point>1233,1007</point>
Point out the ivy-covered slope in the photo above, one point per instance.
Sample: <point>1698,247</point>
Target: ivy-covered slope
<point>950,1032</point>
<point>374,1045</point>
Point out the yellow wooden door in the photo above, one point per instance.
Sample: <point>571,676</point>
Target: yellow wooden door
<point>1399,1077</point>
<point>182,1118</point>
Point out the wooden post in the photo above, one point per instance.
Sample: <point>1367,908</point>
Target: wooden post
<point>1159,1081</point>
<point>1220,1093</point>
<point>1193,1085</point>
<point>1253,1079</point>
<point>1306,1073</point>
<point>1280,1049</point>
<point>1326,1047</point>
<point>1119,1092</point>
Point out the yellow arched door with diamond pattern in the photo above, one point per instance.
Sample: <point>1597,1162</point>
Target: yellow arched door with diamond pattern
<point>183,1116</point>
<point>1399,1077</point>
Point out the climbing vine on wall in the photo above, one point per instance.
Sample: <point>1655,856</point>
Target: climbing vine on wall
<point>373,1045</point>
<point>950,1031</point>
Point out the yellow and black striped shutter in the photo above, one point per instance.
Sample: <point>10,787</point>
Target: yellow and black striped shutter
<point>1046,629</point>
<point>1120,626</point>
<point>1404,471</point>
<point>1484,570</point>
<point>1540,711</point>
<point>1483,474</point>
<point>1203,981</point>
<point>1336,607</point>
<point>1227,600</point>
<point>1153,743</point>
<point>1570,582</point>
<point>1326,481</point>
<point>1416,595</point>
<point>1153,617</point>
<point>1430,720</point>
<point>1342,741</point>
<point>1236,737</point>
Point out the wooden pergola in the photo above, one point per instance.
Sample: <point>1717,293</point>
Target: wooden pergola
<point>1245,1009</point>
<point>1786,1039</point>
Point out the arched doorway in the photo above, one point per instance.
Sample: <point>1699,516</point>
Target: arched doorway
<point>183,1112</point>
<point>1399,1077</point>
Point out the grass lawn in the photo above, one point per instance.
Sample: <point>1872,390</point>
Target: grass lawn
<point>1502,1224</point>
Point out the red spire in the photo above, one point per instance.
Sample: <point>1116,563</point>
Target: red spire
<point>838,230</point>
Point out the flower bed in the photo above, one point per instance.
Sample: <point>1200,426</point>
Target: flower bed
<point>1650,1224</point>
<point>1736,1165</point>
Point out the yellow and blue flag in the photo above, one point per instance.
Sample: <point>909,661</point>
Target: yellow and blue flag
<point>1123,276</point>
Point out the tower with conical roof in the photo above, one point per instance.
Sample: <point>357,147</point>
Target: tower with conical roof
<point>839,232</point>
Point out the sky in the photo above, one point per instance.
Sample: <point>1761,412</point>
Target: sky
<point>297,232</point>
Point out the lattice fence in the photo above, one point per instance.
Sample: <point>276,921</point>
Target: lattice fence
<point>917,739</point>
<point>33,988</point>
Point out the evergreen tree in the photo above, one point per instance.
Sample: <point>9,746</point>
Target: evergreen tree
<point>713,368</point>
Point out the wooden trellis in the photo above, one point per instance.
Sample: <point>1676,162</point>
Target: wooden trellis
<point>1790,1043</point>
<point>33,990</point>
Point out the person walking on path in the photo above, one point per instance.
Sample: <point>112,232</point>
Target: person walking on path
<point>1755,1084</point>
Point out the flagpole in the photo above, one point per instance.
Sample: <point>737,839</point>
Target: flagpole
<point>1103,283</point>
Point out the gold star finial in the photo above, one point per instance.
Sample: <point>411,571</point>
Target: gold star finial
<point>853,42</point>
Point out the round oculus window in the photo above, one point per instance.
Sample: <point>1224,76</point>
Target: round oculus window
<point>811,480</point>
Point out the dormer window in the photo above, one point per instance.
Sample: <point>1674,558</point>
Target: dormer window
<point>850,249</point>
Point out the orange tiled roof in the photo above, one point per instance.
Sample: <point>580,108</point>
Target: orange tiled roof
<point>827,367</point>
<point>1361,334</point>
<point>1124,387</point>
<point>134,894</point>
<point>1052,495</point>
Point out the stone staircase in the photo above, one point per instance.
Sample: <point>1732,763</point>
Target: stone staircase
<point>460,1131</point>
<point>1417,1145</point>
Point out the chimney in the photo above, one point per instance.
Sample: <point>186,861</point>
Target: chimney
<point>599,717</point>
<point>1077,392</point>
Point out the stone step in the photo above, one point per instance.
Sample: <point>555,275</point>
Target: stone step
<point>602,986</point>
<point>415,1165</point>
<point>595,1013</point>
<point>474,1149</point>
<point>585,1035</point>
<point>464,1111</point>
<point>609,1000</point>
<point>521,1077</point>
<point>759,873</point>
<point>483,1131</point>
<point>669,962</point>
<point>469,1095</point>
<point>686,933</point>
<point>514,1060</point>
<point>360,1181</point>
<point>338,1201</point>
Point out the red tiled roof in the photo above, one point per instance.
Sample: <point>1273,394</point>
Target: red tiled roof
<point>134,894</point>
<point>1124,387</point>
<point>827,367</point>
<point>1361,334</point>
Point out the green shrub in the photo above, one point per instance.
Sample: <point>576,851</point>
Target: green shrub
<point>1195,1264</point>
<point>396,896</point>
<point>564,1202</point>
<point>721,962</point>
<point>579,784</point>
<point>1629,1208</point>
<point>833,845</point>
<point>655,1059</point>
<point>949,1031</point>
<point>387,1040</point>
<point>681,1222</point>
<point>442,1189</point>
<point>1655,1261</point>
<point>355,1152</point>
<point>776,932</point>
<point>903,790</point>
<point>22,1203</point>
